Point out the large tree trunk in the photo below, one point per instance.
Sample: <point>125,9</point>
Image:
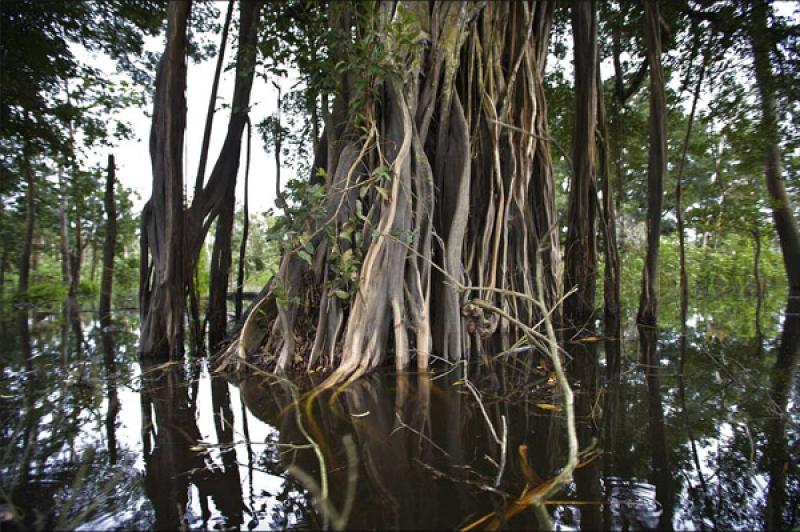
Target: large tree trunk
<point>785,223</point>
<point>450,185</point>
<point>656,166</point>
<point>580,263</point>
<point>108,245</point>
<point>223,177</point>
<point>162,254</point>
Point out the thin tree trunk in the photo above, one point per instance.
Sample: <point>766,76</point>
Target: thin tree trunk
<point>611,280</point>
<point>30,220</point>
<point>759,289</point>
<point>684,281</point>
<point>225,172</point>
<point>785,224</point>
<point>245,228</point>
<point>108,245</point>
<point>63,225</point>
<point>656,166</point>
<point>212,102</point>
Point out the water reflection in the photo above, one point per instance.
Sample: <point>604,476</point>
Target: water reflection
<point>100,441</point>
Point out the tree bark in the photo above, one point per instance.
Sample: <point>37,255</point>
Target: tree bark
<point>212,102</point>
<point>656,166</point>
<point>163,279</point>
<point>245,229</point>
<point>108,245</point>
<point>30,220</point>
<point>611,278</point>
<point>223,177</point>
<point>460,129</point>
<point>581,244</point>
<point>785,224</point>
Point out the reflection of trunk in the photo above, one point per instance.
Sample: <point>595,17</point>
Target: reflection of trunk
<point>225,486</point>
<point>109,362</point>
<point>658,443</point>
<point>108,246</point>
<point>245,229</point>
<point>656,166</point>
<point>580,260</point>
<point>175,431</point>
<point>785,224</point>
<point>782,378</point>
<point>30,217</point>
<point>611,281</point>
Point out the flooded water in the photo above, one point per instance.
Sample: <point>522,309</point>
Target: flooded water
<point>92,439</point>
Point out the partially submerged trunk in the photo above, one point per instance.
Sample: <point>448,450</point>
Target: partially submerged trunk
<point>161,287</point>
<point>656,166</point>
<point>108,245</point>
<point>611,279</point>
<point>223,180</point>
<point>450,186</point>
<point>172,237</point>
<point>580,263</point>
<point>30,220</point>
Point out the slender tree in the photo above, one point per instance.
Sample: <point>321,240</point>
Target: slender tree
<point>785,224</point>
<point>109,245</point>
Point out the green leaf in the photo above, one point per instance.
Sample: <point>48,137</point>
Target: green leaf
<point>341,294</point>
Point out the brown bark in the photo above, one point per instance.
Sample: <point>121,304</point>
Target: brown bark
<point>656,166</point>
<point>245,229</point>
<point>611,274</point>
<point>223,178</point>
<point>108,245</point>
<point>581,244</point>
<point>163,278</point>
<point>212,102</point>
<point>30,220</point>
<point>785,224</point>
<point>461,129</point>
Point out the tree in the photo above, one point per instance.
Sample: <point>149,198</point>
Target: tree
<point>785,224</point>
<point>439,177</point>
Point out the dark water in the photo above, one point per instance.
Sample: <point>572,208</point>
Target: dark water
<point>92,439</point>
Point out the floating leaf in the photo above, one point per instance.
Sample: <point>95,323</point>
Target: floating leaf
<point>545,406</point>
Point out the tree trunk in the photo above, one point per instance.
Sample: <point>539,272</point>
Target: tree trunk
<point>162,254</point>
<point>656,166</point>
<point>449,185</point>
<point>30,220</point>
<point>108,246</point>
<point>785,224</point>
<point>63,225</point>
<point>611,279</point>
<point>684,280</point>
<point>223,177</point>
<point>581,245</point>
<point>212,103</point>
<point>245,229</point>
